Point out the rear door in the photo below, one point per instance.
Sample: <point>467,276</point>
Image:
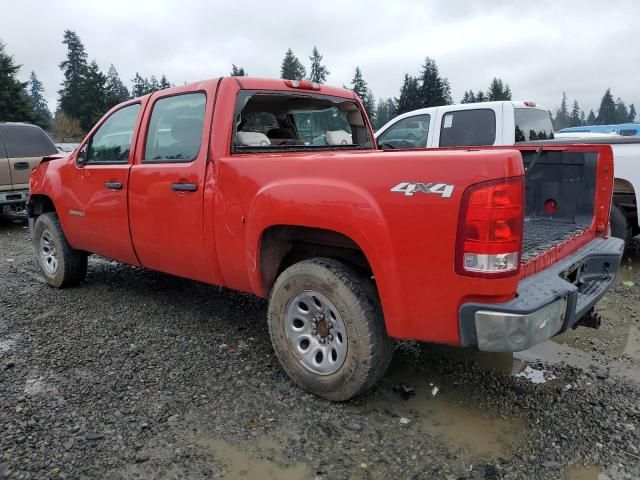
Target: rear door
<point>97,209</point>
<point>25,146</point>
<point>166,185</point>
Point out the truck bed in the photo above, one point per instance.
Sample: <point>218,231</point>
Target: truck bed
<point>541,235</point>
<point>568,180</point>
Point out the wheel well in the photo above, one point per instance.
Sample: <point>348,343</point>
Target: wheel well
<point>624,197</point>
<point>284,245</point>
<point>39,204</point>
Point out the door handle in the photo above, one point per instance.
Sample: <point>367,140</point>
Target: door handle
<point>184,187</point>
<point>21,166</point>
<point>113,185</point>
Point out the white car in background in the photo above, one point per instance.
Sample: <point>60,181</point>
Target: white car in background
<point>511,122</point>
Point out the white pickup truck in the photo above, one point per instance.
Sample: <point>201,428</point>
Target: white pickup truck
<point>508,123</point>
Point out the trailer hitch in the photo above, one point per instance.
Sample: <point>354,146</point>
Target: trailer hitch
<point>590,320</point>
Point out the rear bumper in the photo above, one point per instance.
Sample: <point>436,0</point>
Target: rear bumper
<point>547,303</point>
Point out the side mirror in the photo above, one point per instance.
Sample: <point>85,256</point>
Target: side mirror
<point>81,158</point>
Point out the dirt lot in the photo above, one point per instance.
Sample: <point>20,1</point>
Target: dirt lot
<point>135,374</point>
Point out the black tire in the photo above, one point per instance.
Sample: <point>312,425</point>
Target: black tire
<point>71,267</point>
<point>619,224</point>
<point>369,349</point>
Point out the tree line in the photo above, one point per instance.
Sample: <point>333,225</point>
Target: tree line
<point>610,112</point>
<point>87,93</point>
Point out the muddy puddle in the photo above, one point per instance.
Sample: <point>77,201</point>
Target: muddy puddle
<point>256,459</point>
<point>586,473</point>
<point>438,410</point>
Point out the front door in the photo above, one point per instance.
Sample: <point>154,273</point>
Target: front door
<point>166,186</point>
<point>97,212</point>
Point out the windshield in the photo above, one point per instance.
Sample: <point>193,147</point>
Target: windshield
<point>533,124</point>
<point>269,121</point>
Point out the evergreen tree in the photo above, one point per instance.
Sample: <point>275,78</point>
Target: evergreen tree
<point>607,110</point>
<point>360,87</point>
<point>468,97</point>
<point>292,68</point>
<point>562,119</point>
<point>115,90</point>
<point>622,114</point>
<point>74,69</point>
<point>164,83</point>
<point>94,97</point>
<point>35,90</point>
<point>574,118</point>
<point>15,106</point>
<point>409,98</point>
<point>434,89</point>
<point>591,119</point>
<point>385,111</point>
<point>481,97</point>
<point>319,72</point>
<point>140,86</point>
<point>632,113</point>
<point>583,118</point>
<point>237,71</point>
<point>154,85</point>
<point>498,90</point>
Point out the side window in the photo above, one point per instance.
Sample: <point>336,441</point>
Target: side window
<point>410,132</point>
<point>468,128</point>
<point>25,141</point>
<point>112,141</point>
<point>175,129</point>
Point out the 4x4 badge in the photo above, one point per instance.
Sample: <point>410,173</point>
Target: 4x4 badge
<point>408,188</point>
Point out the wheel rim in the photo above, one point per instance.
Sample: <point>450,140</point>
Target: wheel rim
<point>316,332</point>
<point>48,253</point>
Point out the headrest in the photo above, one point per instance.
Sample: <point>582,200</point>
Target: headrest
<point>338,137</point>
<point>280,133</point>
<point>187,130</point>
<point>252,139</point>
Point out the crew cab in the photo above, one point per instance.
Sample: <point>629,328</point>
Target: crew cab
<point>513,122</point>
<point>276,187</point>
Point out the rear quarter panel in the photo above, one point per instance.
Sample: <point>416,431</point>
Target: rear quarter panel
<point>409,241</point>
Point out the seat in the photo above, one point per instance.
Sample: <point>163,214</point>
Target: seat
<point>338,137</point>
<point>252,139</point>
<point>187,133</point>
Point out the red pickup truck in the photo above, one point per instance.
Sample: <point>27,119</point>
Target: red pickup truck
<point>276,187</point>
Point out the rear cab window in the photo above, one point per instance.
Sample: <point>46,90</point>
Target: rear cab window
<point>533,124</point>
<point>468,128</point>
<point>286,121</point>
<point>410,132</point>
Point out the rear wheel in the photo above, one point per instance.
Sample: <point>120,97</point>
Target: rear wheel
<point>327,329</point>
<point>619,224</point>
<point>61,265</point>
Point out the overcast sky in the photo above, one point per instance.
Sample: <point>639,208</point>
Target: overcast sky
<point>539,47</point>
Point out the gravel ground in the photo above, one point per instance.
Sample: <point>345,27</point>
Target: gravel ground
<point>136,374</point>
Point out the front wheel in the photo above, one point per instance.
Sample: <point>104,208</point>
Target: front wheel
<point>62,266</point>
<point>327,329</point>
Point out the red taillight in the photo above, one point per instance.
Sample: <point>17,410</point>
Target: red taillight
<point>490,229</point>
<point>302,84</point>
<point>529,104</point>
